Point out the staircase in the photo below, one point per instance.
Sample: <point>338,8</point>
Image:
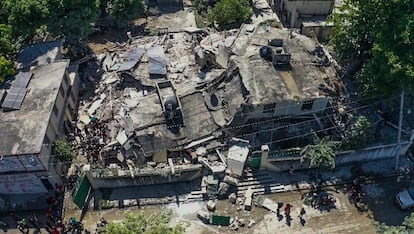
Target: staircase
<point>260,182</point>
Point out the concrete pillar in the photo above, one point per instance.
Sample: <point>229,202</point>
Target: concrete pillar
<point>265,155</point>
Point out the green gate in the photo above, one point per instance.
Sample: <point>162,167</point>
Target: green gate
<point>255,162</point>
<point>256,159</point>
<point>220,220</point>
<point>80,193</point>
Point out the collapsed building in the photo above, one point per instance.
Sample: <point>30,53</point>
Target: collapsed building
<point>164,104</point>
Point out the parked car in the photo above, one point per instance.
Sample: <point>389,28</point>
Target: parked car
<point>405,199</point>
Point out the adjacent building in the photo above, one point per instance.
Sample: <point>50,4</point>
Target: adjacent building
<point>293,12</point>
<point>38,106</point>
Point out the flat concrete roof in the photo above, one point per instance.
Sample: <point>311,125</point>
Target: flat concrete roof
<point>267,84</point>
<point>22,131</point>
<point>148,112</point>
<point>149,118</point>
<point>198,120</point>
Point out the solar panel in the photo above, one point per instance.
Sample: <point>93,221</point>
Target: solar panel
<point>14,98</point>
<point>22,80</point>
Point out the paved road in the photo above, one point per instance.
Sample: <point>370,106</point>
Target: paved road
<point>380,199</point>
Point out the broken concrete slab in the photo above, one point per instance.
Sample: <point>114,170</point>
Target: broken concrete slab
<point>212,41</point>
<point>85,119</point>
<point>211,205</point>
<point>96,104</point>
<point>110,78</point>
<point>195,143</point>
<point>228,42</point>
<point>122,137</point>
<point>248,199</point>
<point>237,156</point>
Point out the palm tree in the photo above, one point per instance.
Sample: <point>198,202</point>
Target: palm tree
<point>321,154</point>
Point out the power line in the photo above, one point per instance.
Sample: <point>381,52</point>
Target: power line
<point>280,127</point>
<point>233,127</point>
<point>271,120</point>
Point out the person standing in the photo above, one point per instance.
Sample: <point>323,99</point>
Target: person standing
<point>287,214</point>
<point>287,209</point>
<point>302,216</point>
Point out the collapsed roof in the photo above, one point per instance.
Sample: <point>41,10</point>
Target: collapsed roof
<point>194,96</point>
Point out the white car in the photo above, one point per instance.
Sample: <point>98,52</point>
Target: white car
<point>405,199</point>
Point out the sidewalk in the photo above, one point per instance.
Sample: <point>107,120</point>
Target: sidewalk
<point>303,179</point>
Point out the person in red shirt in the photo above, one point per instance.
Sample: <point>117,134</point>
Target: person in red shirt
<point>287,209</point>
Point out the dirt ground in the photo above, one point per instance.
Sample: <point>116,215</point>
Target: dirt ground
<point>345,218</point>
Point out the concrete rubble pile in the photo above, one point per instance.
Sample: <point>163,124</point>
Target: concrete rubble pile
<point>122,81</point>
<point>159,104</point>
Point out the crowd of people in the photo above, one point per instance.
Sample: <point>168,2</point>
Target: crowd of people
<point>52,225</point>
<point>92,139</point>
<point>53,222</point>
<point>288,217</point>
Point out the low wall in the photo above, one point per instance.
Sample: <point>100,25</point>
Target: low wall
<point>180,175</point>
<point>321,30</point>
<point>283,161</point>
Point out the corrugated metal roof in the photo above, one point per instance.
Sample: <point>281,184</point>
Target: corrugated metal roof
<point>132,58</point>
<point>157,60</point>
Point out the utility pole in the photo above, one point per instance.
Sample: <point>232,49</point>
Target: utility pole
<point>397,157</point>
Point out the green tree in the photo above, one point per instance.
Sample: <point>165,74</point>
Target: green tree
<point>63,151</point>
<point>391,67</point>
<point>127,10</point>
<point>6,68</point>
<point>352,34</point>
<point>321,154</point>
<point>73,21</point>
<point>139,223</point>
<point>231,11</point>
<point>381,33</point>
<point>3,12</point>
<point>7,51</point>
<point>361,133</point>
<point>407,226</point>
<point>26,16</point>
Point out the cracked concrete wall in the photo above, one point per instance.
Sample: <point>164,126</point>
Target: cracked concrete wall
<point>286,108</point>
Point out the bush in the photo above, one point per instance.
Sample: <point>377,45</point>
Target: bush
<point>228,12</point>
<point>6,68</point>
<point>63,151</point>
<point>156,223</point>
